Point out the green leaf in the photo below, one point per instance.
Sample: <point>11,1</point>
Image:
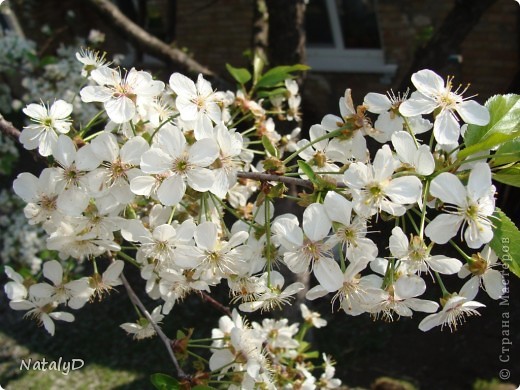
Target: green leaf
<point>505,116</point>
<point>306,168</point>
<point>164,382</point>
<point>269,146</point>
<point>511,150</point>
<point>490,142</point>
<point>506,241</point>
<point>268,93</point>
<point>278,74</point>
<point>242,75</point>
<point>510,176</point>
<point>202,387</point>
<point>312,355</point>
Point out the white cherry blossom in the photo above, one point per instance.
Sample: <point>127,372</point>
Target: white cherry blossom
<point>49,123</point>
<point>306,248</point>
<point>143,328</point>
<point>180,164</point>
<point>415,255</point>
<point>42,310</point>
<point>74,293</point>
<point>389,121</point>
<point>482,273</point>
<point>350,231</point>
<point>197,102</point>
<point>374,190</point>
<point>455,310</point>
<point>433,94</point>
<point>417,157</point>
<point>121,95</point>
<point>468,207</point>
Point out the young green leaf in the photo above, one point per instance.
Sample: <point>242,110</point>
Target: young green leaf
<point>306,168</point>
<point>506,241</point>
<point>510,176</point>
<point>266,142</point>
<point>242,75</point>
<point>278,74</point>
<point>164,382</point>
<point>505,116</point>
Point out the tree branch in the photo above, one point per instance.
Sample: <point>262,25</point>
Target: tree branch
<point>167,342</point>
<point>146,41</point>
<point>269,177</point>
<point>260,176</point>
<point>7,128</point>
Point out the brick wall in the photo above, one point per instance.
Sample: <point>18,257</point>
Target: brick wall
<point>215,32</point>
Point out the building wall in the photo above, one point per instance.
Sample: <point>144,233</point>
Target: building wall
<point>219,32</point>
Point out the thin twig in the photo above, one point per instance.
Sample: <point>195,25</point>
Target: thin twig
<point>167,342</point>
<point>224,309</point>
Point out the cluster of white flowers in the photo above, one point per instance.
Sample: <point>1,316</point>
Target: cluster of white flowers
<point>268,355</point>
<point>157,182</point>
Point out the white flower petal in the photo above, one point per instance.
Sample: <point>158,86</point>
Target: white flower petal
<point>171,190</point>
<point>472,112</point>
<point>398,243</point>
<point>120,110</point>
<point>338,208</point>
<point>494,283</point>
<point>479,181</point>
<point>206,236</point>
<point>316,223</point>
<point>203,152</point>
<point>155,160</point>
<point>143,185</point>
<point>448,188</point>
<point>53,271</point>
<point>445,265</point>
<point>446,128</point>
<point>443,228</point>
<point>409,286</point>
<point>328,273</point>
<point>377,103</point>
<point>404,190</point>
<point>428,82</point>
<point>417,104</point>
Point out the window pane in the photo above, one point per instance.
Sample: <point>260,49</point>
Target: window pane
<point>317,25</point>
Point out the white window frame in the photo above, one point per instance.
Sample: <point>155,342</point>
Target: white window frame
<point>341,59</point>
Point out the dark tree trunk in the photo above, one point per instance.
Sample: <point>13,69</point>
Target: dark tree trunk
<point>447,38</point>
<point>286,32</point>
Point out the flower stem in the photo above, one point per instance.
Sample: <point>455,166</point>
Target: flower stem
<point>323,137</point>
